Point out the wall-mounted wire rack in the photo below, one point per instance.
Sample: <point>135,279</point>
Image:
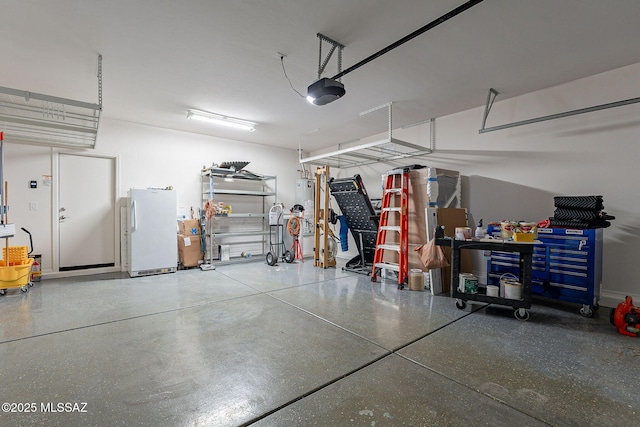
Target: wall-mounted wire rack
<point>34,118</point>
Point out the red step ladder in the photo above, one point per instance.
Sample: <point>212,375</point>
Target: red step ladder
<point>393,231</point>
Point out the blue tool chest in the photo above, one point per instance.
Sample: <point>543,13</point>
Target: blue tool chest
<point>567,265</point>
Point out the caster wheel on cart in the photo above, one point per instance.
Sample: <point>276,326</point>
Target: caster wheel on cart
<point>596,307</point>
<point>271,259</point>
<point>460,304</point>
<point>288,257</point>
<point>3,291</point>
<point>587,311</point>
<point>24,289</point>
<point>521,314</point>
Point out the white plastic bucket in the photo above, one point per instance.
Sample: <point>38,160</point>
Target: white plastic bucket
<point>506,278</point>
<point>513,290</point>
<point>493,291</point>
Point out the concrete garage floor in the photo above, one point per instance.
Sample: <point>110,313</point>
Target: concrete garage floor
<point>298,345</point>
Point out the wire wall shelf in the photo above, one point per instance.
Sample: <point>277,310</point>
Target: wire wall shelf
<point>34,118</point>
<point>44,120</point>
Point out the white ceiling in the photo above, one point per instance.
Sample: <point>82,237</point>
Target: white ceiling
<point>161,58</point>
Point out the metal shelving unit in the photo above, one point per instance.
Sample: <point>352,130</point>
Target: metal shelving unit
<point>245,229</point>
<point>245,192</point>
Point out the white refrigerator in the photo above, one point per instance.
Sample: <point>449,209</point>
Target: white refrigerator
<point>152,244</point>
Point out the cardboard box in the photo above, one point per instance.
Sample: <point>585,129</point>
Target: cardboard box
<point>418,200</point>
<point>189,250</point>
<point>189,227</point>
<point>451,218</point>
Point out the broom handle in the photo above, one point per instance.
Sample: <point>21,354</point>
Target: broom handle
<point>3,201</point>
<point>6,221</point>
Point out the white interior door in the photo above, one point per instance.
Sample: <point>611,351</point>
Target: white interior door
<point>86,217</point>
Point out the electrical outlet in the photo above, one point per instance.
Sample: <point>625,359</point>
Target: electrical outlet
<point>33,206</point>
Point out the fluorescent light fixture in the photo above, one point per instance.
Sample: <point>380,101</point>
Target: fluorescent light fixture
<point>221,120</point>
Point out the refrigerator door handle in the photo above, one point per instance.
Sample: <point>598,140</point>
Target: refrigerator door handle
<point>134,220</point>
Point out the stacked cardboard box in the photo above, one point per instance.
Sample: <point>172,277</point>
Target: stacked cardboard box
<point>189,227</point>
<point>189,244</point>
<point>451,218</point>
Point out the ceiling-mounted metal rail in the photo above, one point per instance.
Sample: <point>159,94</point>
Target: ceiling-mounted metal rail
<point>494,93</point>
<point>458,10</point>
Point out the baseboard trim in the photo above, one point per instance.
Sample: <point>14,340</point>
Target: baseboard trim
<point>73,273</point>
<point>613,298</point>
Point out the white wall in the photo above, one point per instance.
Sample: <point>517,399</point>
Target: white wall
<point>515,173</point>
<point>147,157</point>
<point>21,165</point>
<point>512,173</point>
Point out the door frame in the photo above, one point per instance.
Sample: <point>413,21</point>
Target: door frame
<point>55,207</point>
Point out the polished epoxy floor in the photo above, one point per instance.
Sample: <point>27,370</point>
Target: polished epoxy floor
<point>295,345</point>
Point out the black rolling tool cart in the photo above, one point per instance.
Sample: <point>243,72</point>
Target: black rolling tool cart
<point>522,254</point>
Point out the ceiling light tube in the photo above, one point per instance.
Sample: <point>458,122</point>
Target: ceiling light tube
<point>221,120</point>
